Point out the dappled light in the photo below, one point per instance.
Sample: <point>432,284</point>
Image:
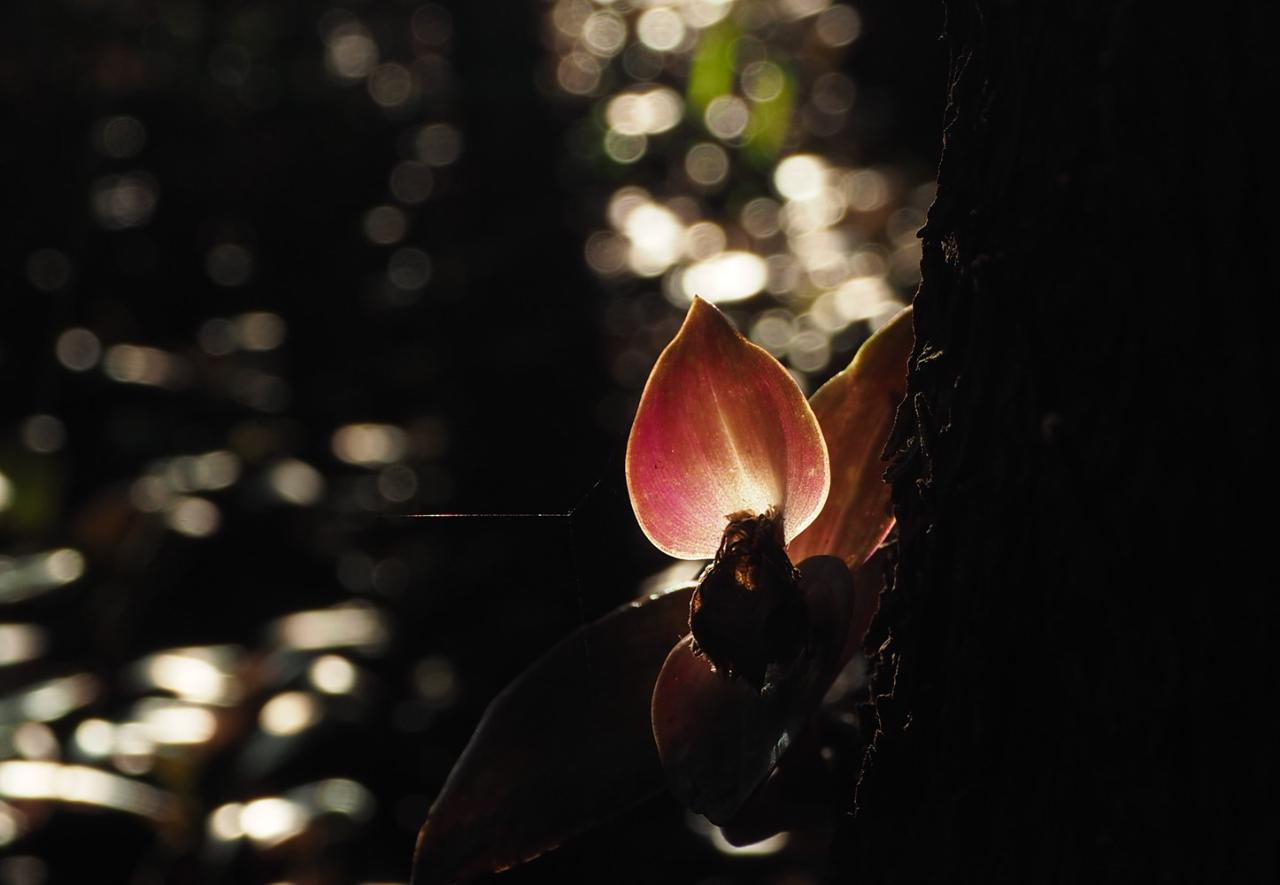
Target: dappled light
<point>291,285</point>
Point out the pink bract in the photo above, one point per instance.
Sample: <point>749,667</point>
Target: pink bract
<point>721,429</point>
<point>856,409</point>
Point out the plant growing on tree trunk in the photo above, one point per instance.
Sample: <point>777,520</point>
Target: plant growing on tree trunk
<point>707,684</point>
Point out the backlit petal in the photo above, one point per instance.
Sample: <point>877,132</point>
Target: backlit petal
<point>721,428</point>
<point>856,409</point>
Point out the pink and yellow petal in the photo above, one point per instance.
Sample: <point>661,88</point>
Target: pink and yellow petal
<point>856,410</point>
<point>721,429</point>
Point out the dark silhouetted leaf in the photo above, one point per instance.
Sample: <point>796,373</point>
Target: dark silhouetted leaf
<point>564,746</point>
<point>718,737</point>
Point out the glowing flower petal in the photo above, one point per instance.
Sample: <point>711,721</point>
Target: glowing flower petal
<point>856,409</point>
<point>718,737</point>
<point>565,746</point>
<point>721,429</point>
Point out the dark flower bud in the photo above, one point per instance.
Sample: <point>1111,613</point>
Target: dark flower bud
<point>747,615</point>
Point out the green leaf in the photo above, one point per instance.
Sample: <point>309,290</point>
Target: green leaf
<point>711,71</point>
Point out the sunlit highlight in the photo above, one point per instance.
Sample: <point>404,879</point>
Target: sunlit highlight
<point>174,723</point>
<point>272,820</point>
<point>644,113</point>
<point>332,674</point>
<point>51,700</point>
<point>150,366</point>
<point>369,444</point>
<point>288,713</point>
<point>729,276</point>
<point>197,675</point>
<point>756,106</point>
<point>95,738</point>
<point>296,482</point>
<point>343,626</point>
<point>82,785</point>
<point>20,643</point>
<point>763,848</point>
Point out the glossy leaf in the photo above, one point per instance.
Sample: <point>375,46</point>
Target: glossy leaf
<point>718,737</point>
<point>565,746</point>
<point>856,410</point>
<point>721,429</point>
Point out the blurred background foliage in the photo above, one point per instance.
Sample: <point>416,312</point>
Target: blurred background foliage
<point>278,275</point>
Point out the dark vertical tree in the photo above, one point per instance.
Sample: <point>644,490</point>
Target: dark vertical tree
<point>1075,667</point>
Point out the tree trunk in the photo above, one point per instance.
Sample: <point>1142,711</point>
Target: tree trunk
<point>1075,667</point>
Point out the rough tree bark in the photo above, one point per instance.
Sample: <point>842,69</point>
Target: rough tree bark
<point>1075,667</point>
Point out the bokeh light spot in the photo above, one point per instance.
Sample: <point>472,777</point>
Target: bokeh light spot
<point>703,239</point>
<point>43,433</point>
<point>260,330</point>
<point>366,444</point>
<point>605,33</point>
<point>660,28</point>
<point>288,713</point>
<point>409,269</point>
<point>123,201</point>
<point>296,482</point>
<point>729,276</point>
<point>78,349</point>
<point>390,85</point>
<point>332,674</point>
<point>578,73</point>
<point>120,137</point>
<point>438,144</point>
<point>351,51</point>
<point>385,225</point>
<point>706,164</point>
<point>727,117</point>
<point>623,148</point>
<point>838,26</point>
<point>763,81</point>
<point>229,264</point>
<point>411,182</point>
<point>193,517</point>
<point>800,177</point>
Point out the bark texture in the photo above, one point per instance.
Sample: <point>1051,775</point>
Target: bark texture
<point>1076,667</point>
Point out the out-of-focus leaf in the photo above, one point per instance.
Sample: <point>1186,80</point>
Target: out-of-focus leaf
<point>721,429</point>
<point>565,746</point>
<point>718,737</point>
<point>771,120</point>
<point>711,72</point>
<point>856,409</point>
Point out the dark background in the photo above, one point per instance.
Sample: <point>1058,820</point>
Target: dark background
<point>501,362</point>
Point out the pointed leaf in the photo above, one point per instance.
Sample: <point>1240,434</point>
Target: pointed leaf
<point>717,736</point>
<point>721,429</point>
<point>856,410</point>
<point>564,746</point>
